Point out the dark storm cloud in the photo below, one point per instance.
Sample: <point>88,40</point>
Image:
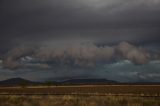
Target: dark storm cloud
<point>68,38</point>
<point>101,21</point>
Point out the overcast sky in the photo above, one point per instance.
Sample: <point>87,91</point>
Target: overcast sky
<point>69,23</point>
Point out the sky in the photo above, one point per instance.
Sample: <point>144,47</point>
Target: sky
<point>67,39</point>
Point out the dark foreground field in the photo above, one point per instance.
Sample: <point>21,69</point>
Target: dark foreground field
<point>70,100</point>
<point>86,95</point>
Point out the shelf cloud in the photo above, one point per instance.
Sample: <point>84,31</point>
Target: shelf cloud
<point>82,55</point>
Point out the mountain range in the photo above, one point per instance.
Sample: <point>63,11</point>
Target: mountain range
<point>24,82</point>
<point>21,81</point>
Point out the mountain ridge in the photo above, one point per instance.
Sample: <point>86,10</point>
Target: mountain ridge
<point>21,81</point>
<point>90,81</point>
<point>17,81</point>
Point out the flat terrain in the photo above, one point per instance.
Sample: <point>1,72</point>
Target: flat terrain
<point>126,90</point>
<point>76,100</point>
<point>84,95</point>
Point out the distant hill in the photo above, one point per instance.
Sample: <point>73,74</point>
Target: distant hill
<point>21,81</point>
<point>16,82</point>
<point>89,81</point>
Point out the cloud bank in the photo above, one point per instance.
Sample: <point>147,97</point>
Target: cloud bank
<point>87,55</point>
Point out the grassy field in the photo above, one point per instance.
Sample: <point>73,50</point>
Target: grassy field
<point>140,90</point>
<point>70,100</point>
<point>86,95</point>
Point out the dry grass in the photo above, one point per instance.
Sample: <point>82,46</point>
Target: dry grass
<point>95,95</point>
<point>114,89</point>
<point>69,100</point>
